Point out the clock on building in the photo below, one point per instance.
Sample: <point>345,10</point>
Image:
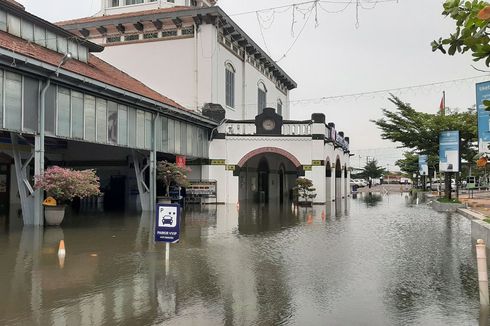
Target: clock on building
<point>268,122</point>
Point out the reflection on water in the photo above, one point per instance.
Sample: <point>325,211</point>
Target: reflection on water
<point>372,199</point>
<point>340,264</point>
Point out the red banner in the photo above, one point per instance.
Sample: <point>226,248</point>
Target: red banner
<point>180,160</point>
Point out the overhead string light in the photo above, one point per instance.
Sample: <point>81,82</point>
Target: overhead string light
<point>266,17</point>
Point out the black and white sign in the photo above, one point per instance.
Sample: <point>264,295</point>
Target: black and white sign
<point>167,223</point>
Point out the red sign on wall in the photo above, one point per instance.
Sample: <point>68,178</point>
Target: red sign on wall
<point>180,160</point>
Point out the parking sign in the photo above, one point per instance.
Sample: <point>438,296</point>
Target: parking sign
<point>167,223</point>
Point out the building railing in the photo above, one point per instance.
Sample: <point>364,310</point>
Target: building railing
<point>289,128</point>
<point>300,129</point>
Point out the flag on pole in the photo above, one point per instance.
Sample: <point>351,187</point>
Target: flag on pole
<point>442,106</point>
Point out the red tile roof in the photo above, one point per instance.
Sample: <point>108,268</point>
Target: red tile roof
<point>16,3</point>
<point>95,68</point>
<point>125,15</point>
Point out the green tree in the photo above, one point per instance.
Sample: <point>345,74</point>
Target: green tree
<point>372,170</point>
<point>472,29</point>
<point>419,132</point>
<point>409,164</point>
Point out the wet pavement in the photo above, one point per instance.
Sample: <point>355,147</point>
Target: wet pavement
<point>376,260</point>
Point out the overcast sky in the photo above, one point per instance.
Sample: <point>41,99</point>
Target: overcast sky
<point>389,49</point>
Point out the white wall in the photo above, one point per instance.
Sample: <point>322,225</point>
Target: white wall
<point>252,78</point>
<point>247,78</point>
<point>166,66</point>
<point>191,71</point>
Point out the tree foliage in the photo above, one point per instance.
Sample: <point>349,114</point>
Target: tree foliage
<point>304,189</point>
<point>65,184</point>
<point>169,174</point>
<point>472,26</point>
<point>409,164</point>
<point>419,132</point>
<point>372,170</point>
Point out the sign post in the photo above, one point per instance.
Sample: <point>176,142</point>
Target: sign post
<point>423,168</point>
<point>167,228</point>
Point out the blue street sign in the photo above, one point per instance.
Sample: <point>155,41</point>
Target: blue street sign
<point>167,223</point>
<point>482,94</point>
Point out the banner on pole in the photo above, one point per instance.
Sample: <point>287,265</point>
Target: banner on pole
<point>423,165</point>
<point>483,94</point>
<point>449,151</point>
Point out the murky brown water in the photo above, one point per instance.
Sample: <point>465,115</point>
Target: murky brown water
<point>386,262</point>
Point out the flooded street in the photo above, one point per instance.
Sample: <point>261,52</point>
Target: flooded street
<point>379,260</point>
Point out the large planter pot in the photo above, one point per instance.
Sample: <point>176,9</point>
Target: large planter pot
<point>54,215</point>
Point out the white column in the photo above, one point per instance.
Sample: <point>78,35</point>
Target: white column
<point>38,170</point>
<point>342,183</point>
<point>317,176</point>
<point>153,165</point>
<point>25,189</point>
<point>232,188</point>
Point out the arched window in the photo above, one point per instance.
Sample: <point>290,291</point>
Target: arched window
<point>230,85</point>
<point>279,107</point>
<point>262,97</point>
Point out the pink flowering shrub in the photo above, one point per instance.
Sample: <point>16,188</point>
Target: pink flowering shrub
<point>171,174</point>
<point>65,184</point>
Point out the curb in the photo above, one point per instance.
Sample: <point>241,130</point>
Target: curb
<point>479,228</point>
<point>472,215</point>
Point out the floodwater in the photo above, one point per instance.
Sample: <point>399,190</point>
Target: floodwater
<point>377,260</point>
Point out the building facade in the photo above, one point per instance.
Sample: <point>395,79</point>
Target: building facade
<point>194,53</point>
<point>61,105</point>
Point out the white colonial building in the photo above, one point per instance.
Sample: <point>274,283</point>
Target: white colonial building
<point>63,105</point>
<point>191,51</point>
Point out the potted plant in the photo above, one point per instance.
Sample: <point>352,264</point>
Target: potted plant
<point>169,174</point>
<point>63,185</point>
<point>304,190</point>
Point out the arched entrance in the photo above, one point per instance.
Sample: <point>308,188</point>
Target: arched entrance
<point>328,181</point>
<point>268,175</point>
<point>263,180</point>
<point>338,180</point>
<point>346,184</point>
<point>282,175</point>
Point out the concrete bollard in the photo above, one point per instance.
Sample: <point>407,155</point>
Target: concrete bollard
<point>481,260</point>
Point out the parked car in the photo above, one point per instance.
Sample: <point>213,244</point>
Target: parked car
<point>405,181</point>
<point>362,182</point>
<point>437,183</point>
<point>356,182</point>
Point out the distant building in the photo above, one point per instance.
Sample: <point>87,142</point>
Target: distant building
<point>192,51</point>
